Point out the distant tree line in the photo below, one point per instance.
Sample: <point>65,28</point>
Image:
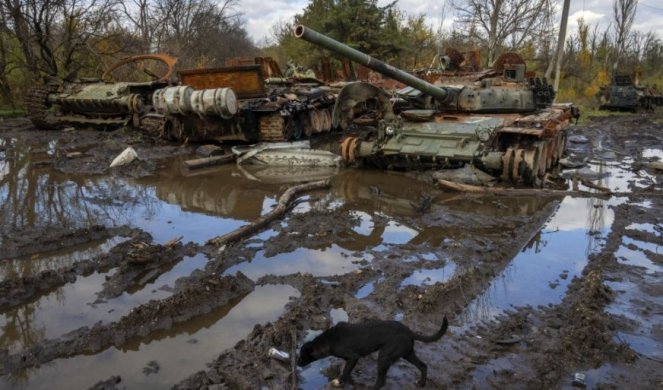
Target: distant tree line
<point>68,38</point>
<point>79,38</point>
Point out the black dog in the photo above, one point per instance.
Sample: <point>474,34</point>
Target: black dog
<point>353,341</point>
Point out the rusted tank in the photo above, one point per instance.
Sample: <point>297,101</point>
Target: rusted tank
<point>623,94</point>
<point>152,106</point>
<point>505,125</point>
<point>97,102</point>
<point>251,102</point>
<point>273,106</point>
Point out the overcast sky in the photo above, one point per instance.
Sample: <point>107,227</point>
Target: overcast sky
<point>261,15</point>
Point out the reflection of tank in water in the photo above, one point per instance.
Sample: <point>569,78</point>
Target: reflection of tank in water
<point>623,94</point>
<point>505,125</point>
<point>223,193</point>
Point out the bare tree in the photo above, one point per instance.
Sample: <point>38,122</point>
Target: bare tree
<point>5,88</point>
<point>53,33</point>
<point>499,21</point>
<point>624,13</point>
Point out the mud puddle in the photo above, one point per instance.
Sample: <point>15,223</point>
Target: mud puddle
<point>78,304</point>
<point>164,358</point>
<point>54,260</point>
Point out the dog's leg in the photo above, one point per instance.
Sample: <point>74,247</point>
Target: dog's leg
<point>347,370</point>
<point>388,355</point>
<point>412,358</point>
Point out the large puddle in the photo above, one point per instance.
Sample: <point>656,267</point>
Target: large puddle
<point>201,206</point>
<point>178,352</point>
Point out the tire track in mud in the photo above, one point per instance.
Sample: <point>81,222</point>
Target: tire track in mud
<point>18,291</point>
<point>195,295</point>
<point>576,335</point>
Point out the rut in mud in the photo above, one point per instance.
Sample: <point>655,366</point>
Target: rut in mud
<point>107,280</point>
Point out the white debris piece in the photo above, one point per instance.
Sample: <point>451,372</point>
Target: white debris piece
<point>127,156</point>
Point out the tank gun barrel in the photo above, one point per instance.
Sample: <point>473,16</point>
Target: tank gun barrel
<point>314,37</point>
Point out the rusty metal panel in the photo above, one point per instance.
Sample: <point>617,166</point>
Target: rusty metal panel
<point>246,81</point>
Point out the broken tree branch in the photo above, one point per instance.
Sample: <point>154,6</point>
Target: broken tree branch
<point>280,209</point>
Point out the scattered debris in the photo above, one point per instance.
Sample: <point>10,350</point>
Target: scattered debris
<point>151,368</point>
<point>209,150</point>
<point>126,157</point>
<point>279,355</point>
<point>466,175</point>
<point>579,380</point>
<point>206,162</point>
<point>286,154</point>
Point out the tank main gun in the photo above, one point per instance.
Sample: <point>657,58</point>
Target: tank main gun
<point>439,93</point>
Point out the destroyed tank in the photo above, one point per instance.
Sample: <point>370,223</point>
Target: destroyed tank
<point>203,106</point>
<point>273,106</point>
<point>625,95</point>
<point>148,105</point>
<point>506,126</point>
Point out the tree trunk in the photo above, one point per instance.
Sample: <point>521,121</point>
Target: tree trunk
<point>560,44</point>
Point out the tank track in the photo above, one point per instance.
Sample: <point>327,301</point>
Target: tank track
<point>36,106</point>
<point>272,128</point>
<point>531,162</point>
<point>153,125</point>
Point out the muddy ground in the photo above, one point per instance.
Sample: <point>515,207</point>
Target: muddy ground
<point>537,288</point>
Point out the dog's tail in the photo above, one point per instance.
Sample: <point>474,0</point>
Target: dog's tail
<point>433,337</point>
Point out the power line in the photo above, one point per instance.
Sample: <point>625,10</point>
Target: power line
<point>652,7</point>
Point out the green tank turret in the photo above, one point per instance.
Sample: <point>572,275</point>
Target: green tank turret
<point>505,125</point>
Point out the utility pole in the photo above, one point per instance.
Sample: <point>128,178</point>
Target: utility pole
<point>560,45</point>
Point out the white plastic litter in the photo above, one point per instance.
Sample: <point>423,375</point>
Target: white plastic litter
<point>127,156</point>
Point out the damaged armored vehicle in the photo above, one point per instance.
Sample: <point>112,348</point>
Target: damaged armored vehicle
<point>623,94</point>
<point>505,125</point>
<point>251,102</point>
<point>274,106</point>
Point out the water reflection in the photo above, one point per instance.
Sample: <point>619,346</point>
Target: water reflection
<point>541,272</point>
<point>180,351</point>
<point>53,260</point>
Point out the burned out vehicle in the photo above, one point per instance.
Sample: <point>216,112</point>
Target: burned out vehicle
<point>251,102</point>
<point>623,94</point>
<point>506,125</point>
<point>273,106</point>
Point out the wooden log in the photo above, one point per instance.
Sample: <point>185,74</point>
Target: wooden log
<point>208,161</point>
<point>280,209</point>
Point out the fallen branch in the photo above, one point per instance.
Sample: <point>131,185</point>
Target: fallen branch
<point>264,220</point>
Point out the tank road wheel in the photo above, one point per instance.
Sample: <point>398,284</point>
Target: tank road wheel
<point>531,163</point>
<point>541,158</point>
<point>562,146</point>
<point>326,120</point>
<point>36,106</point>
<point>348,149</point>
<point>315,118</point>
<point>507,164</point>
<point>518,165</point>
